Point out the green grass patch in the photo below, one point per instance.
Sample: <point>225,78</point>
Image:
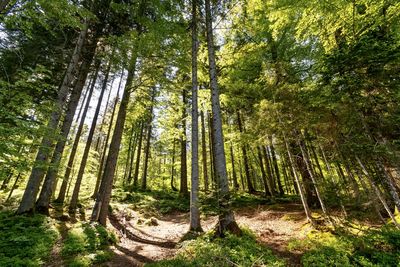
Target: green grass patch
<point>25,240</point>
<point>228,251</point>
<point>87,244</point>
<point>372,248</point>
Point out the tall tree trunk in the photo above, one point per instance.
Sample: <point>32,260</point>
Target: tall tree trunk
<point>245,158</point>
<point>103,154</point>
<point>307,163</point>
<point>132,155</point>
<point>137,163</point>
<point>100,209</point>
<point>204,151</point>
<point>194,192</point>
<point>183,181</point>
<point>66,180</point>
<point>146,156</point>
<point>378,192</point>
<point>48,188</point>
<point>276,168</point>
<point>263,173</point>
<point>300,188</point>
<point>148,141</point>
<point>75,194</point>
<point>270,176</point>
<point>38,171</point>
<point>128,157</point>
<point>211,148</point>
<point>226,219</point>
<point>234,175</point>
<point>173,166</point>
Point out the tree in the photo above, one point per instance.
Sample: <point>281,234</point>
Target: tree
<point>194,197</point>
<point>226,219</point>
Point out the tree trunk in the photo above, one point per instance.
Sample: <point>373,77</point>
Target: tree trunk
<point>300,188</point>
<point>245,158</point>
<point>13,187</point>
<point>194,192</point>
<point>307,163</point>
<point>275,165</point>
<point>204,151</point>
<point>100,209</point>
<point>128,157</point>
<point>173,166</point>
<point>137,163</point>
<point>132,155</point>
<point>226,219</point>
<point>103,154</point>
<point>65,182</point>
<point>234,175</point>
<point>270,177</point>
<point>148,142</point>
<point>263,173</point>
<point>38,171</point>
<point>48,188</point>
<point>75,194</point>
<point>183,181</point>
<point>211,147</point>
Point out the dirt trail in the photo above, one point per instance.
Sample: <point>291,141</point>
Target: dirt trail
<point>142,242</point>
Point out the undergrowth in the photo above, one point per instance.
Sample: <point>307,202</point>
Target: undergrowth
<point>86,244</point>
<point>222,252</point>
<point>25,240</point>
<point>372,248</point>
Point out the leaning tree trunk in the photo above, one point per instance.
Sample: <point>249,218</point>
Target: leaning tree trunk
<point>42,205</point>
<point>103,154</point>
<point>226,219</point>
<point>194,192</point>
<point>65,182</point>
<point>38,171</point>
<point>183,181</point>
<point>100,209</point>
<point>75,194</point>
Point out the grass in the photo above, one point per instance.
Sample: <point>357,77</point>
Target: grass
<point>228,251</point>
<point>377,247</point>
<point>25,240</point>
<point>86,245</point>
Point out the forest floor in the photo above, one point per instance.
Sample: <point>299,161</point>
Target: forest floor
<point>149,240</point>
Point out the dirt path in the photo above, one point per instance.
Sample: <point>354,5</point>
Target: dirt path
<point>143,241</point>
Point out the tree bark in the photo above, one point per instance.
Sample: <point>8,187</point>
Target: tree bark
<point>103,154</point>
<point>148,141</point>
<point>245,158</point>
<point>183,189</point>
<point>65,182</point>
<point>137,163</point>
<point>204,151</point>
<point>275,165</point>
<point>39,168</point>
<point>226,219</point>
<point>194,192</point>
<point>48,188</point>
<point>100,209</point>
<point>173,166</point>
<point>75,194</point>
<point>234,175</point>
<point>263,173</point>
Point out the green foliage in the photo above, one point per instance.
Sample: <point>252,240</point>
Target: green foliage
<point>25,240</point>
<point>155,202</point>
<point>86,244</point>
<point>229,251</point>
<point>373,248</point>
